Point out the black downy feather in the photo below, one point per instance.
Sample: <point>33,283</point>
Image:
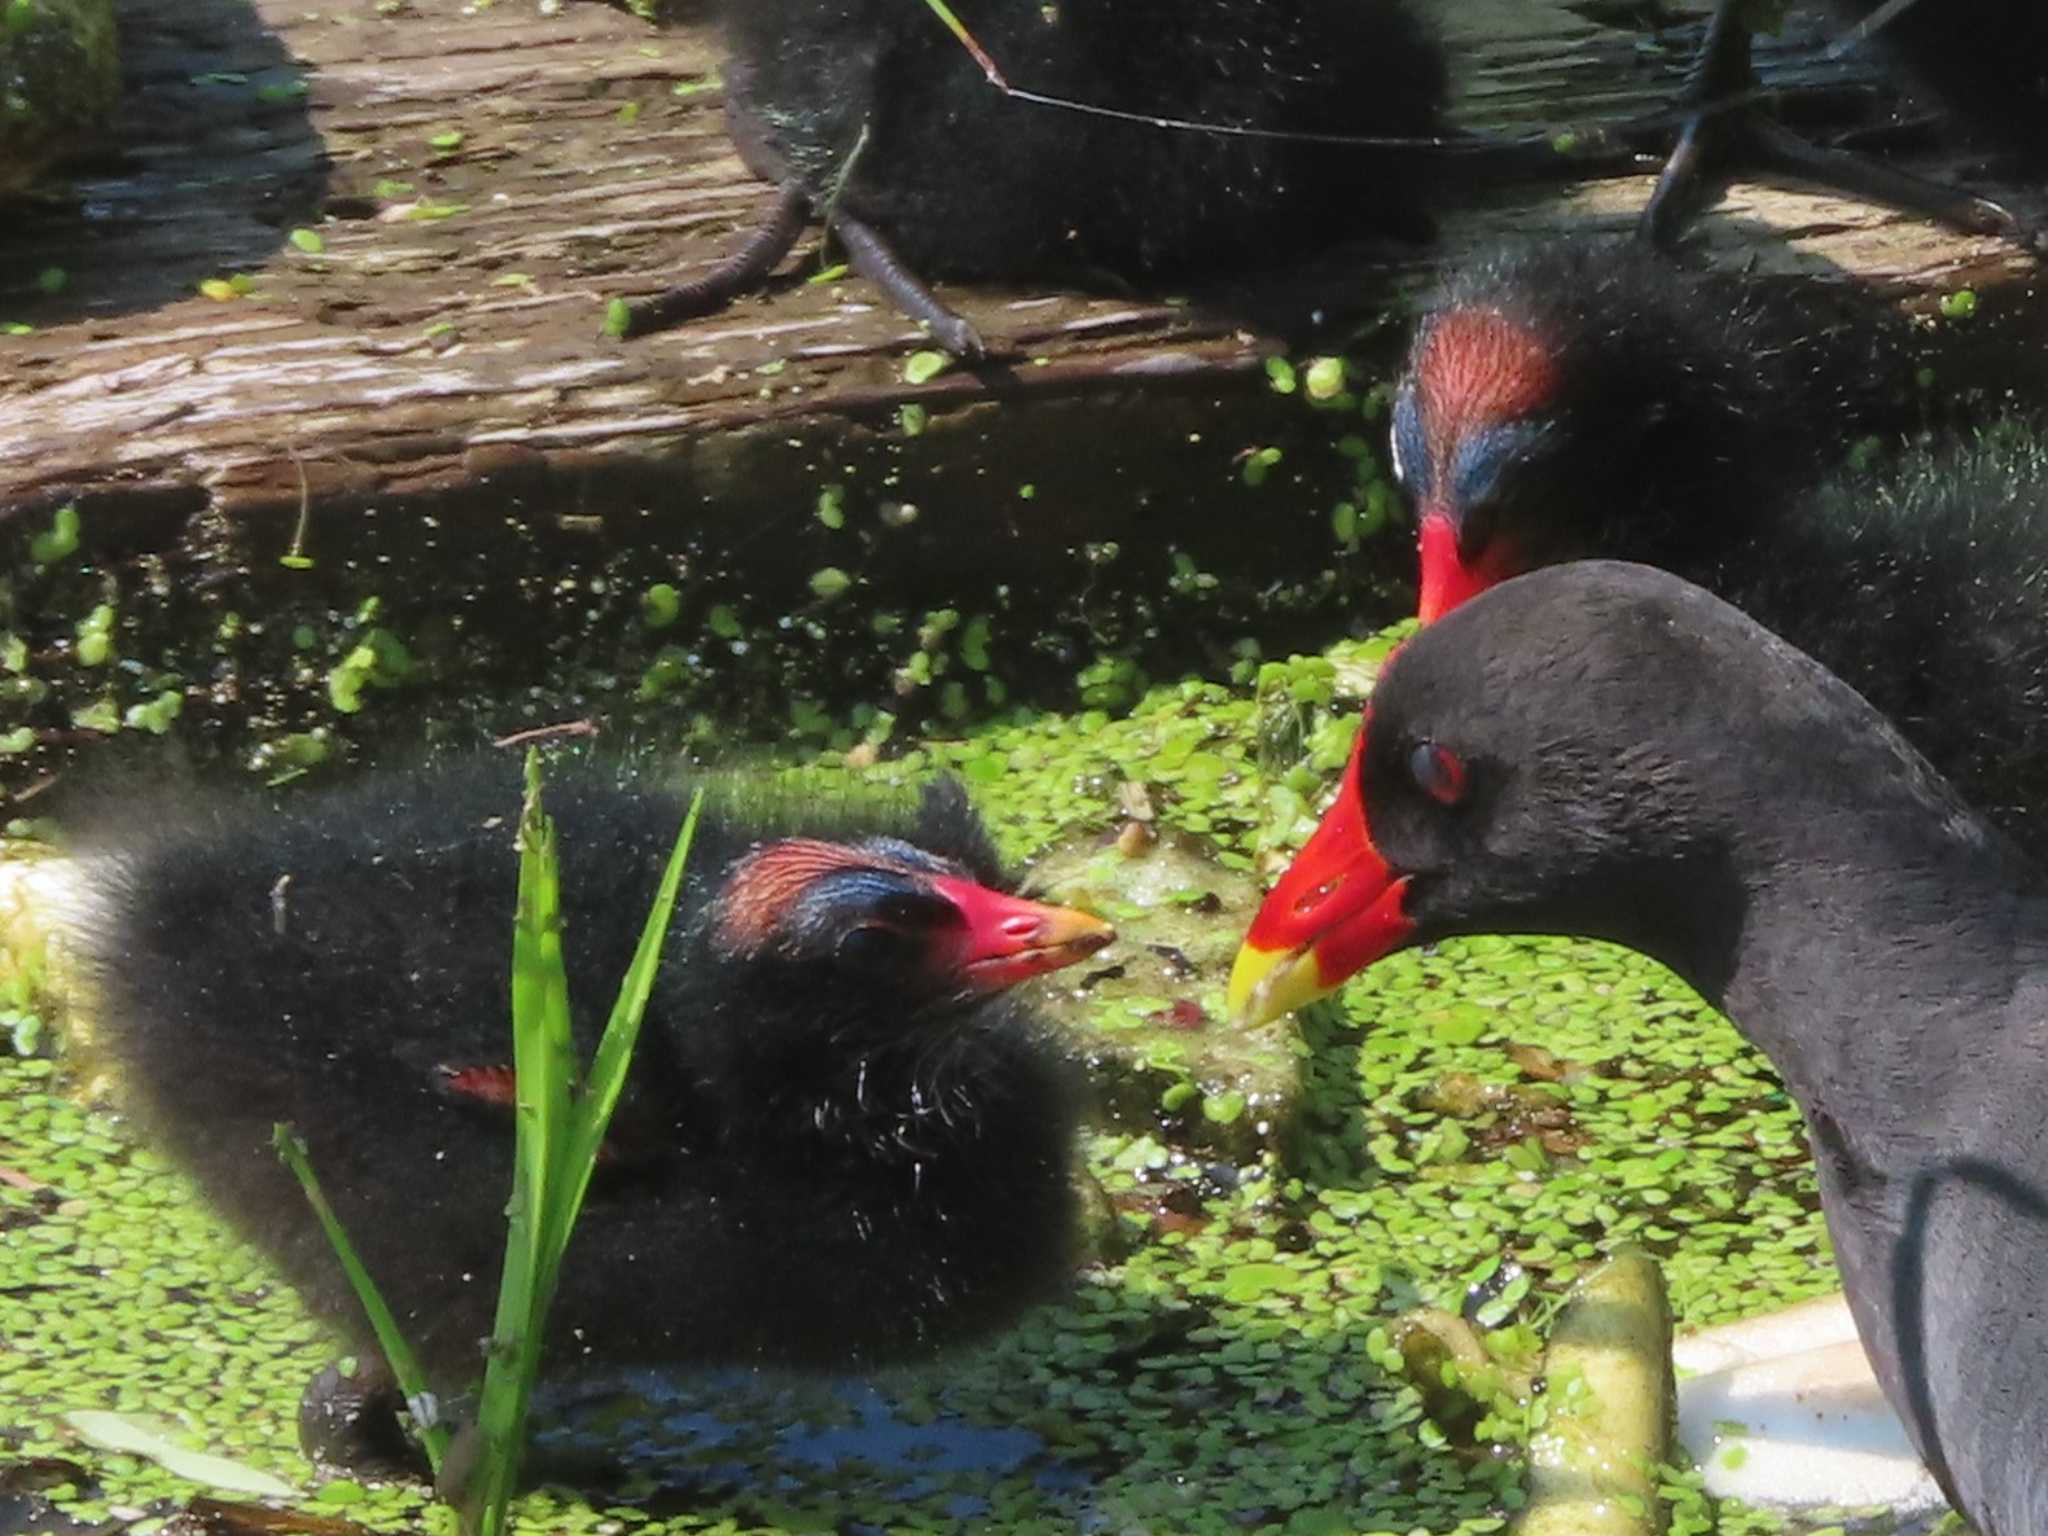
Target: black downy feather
<point>873,106</point>
<point>873,118</point>
<point>1688,428</point>
<point>1984,62</point>
<point>817,1165</point>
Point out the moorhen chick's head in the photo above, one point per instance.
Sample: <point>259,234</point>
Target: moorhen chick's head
<point>841,1141</point>
<point>901,916</point>
<point>837,954</point>
<point>1583,398</point>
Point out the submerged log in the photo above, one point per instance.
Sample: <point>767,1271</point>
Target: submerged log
<point>314,349</point>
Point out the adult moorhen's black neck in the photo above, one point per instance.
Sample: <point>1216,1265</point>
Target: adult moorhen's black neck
<point>1890,962</point>
<point>1602,750</point>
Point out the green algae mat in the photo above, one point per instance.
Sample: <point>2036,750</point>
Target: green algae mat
<point>1469,1127</point>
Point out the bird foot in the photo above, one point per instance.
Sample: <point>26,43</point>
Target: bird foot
<point>742,272</point>
<point>1721,139</point>
<point>874,259</point>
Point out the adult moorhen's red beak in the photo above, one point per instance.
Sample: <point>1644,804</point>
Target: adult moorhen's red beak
<point>1335,911</point>
<point>1448,579</point>
<point>1009,939</point>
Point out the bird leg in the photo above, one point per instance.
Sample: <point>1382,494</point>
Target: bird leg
<point>873,259</point>
<point>1716,140</point>
<point>741,272</point>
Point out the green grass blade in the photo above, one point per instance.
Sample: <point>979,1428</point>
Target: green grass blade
<point>607,1077</point>
<point>559,1131</point>
<point>958,28</point>
<point>399,1353</point>
<point>543,1048</point>
<point>543,1058</point>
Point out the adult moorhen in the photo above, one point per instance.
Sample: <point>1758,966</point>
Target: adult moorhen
<point>1584,398</point>
<point>839,1144</point>
<point>874,119</point>
<point>1601,749</point>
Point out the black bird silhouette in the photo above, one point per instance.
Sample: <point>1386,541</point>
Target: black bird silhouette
<point>1585,398</point>
<point>1983,62</point>
<point>839,1145</point>
<point>1601,749</point>
<point>871,117</point>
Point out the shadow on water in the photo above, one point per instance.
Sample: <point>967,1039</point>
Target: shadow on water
<point>729,1436</point>
<point>212,160</point>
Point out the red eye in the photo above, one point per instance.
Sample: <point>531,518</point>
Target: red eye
<point>1438,771</point>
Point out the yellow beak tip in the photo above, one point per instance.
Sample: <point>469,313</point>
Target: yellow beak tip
<point>1267,983</point>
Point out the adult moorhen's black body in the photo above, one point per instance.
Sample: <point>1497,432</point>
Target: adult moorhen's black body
<point>871,116</point>
<point>1583,398</point>
<point>839,1145</point>
<point>1603,750</point>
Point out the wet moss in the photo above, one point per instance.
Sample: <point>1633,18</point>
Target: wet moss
<point>60,75</point>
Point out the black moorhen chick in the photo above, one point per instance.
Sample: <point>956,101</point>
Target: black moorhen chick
<point>1583,398</point>
<point>872,118</point>
<point>1983,62</point>
<point>1603,750</point>
<point>838,1147</point>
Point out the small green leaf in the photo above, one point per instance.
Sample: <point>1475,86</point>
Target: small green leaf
<point>1223,1108</point>
<point>139,1435</point>
<point>450,138</point>
<point>660,606</point>
<point>309,241</point>
<point>921,367</point>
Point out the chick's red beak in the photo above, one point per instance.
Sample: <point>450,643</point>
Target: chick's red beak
<point>1335,911</point>
<point>1008,939</point>
<point>1448,579</point>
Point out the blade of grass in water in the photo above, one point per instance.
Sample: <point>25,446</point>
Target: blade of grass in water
<point>967,40</point>
<point>403,1366</point>
<point>560,1130</point>
<point>607,1077</point>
